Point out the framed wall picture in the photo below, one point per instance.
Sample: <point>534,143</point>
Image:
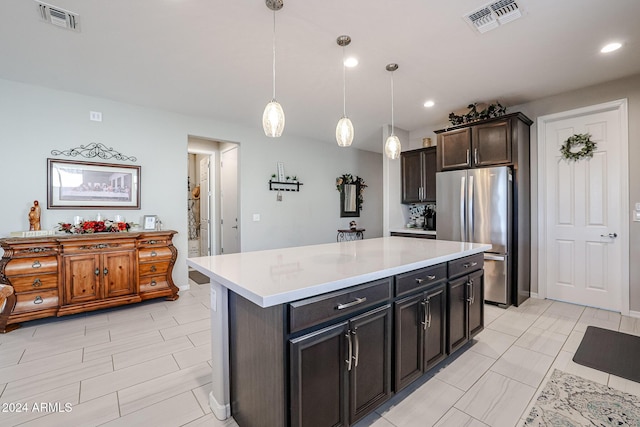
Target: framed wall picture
<point>149,222</point>
<point>74,184</point>
<point>281,177</point>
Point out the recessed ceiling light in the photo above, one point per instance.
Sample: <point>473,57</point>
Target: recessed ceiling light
<point>611,47</point>
<point>350,62</point>
<point>429,104</point>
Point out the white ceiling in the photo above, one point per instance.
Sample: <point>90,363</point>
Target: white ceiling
<point>212,58</point>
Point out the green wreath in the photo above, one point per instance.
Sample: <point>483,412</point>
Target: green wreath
<point>588,147</point>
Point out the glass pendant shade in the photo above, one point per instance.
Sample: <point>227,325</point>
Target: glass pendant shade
<point>392,147</point>
<point>273,119</point>
<point>344,132</point>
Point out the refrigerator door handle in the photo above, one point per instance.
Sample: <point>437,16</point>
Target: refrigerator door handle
<point>463,224</point>
<point>471,222</point>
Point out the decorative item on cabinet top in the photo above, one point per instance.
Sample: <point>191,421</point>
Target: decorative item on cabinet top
<point>487,112</point>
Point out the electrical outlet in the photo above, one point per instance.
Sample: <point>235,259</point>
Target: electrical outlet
<point>95,116</point>
<point>256,217</point>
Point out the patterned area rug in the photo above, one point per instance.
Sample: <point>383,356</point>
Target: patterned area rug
<point>568,400</point>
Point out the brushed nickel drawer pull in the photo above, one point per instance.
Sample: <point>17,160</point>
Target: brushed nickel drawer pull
<point>469,264</point>
<point>419,280</point>
<point>352,303</point>
<point>153,282</point>
<point>36,264</point>
<point>154,253</point>
<point>431,277</point>
<point>153,268</point>
<point>38,300</point>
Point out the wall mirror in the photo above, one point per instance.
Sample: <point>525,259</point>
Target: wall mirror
<point>349,205</point>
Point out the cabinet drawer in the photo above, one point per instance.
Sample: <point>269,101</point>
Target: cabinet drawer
<point>153,268</point>
<point>36,265</point>
<point>466,265</point>
<point>153,283</point>
<point>31,301</point>
<point>93,246</point>
<point>35,282</point>
<point>154,242</point>
<point>151,254</point>
<point>419,279</point>
<point>316,310</point>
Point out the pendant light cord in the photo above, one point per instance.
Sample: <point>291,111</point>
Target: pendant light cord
<point>392,103</point>
<point>344,86</point>
<point>274,55</point>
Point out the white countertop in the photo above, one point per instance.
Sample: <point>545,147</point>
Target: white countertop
<point>413,231</point>
<point>278,276</point>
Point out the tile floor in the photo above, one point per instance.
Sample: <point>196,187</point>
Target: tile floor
<point>148,364</point>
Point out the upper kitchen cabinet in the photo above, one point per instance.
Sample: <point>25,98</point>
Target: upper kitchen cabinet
<point>484,143</point>
<point>419,175</point>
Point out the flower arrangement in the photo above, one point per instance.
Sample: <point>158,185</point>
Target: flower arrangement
<point>491,111</point>
<point>87,227</point>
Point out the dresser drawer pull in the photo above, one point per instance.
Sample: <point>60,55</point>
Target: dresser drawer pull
<point>101,246</point>
<point>153,268</point>
<point>154,253</point>
<point>153,283</point>
<point>419,280</point>
<point>37,283</point>
<point>36,264</point>
<point>152,242</point>
<point>352,303</point>
<point>38,300</point>
<point>469,264</point>
<point>431,277</point>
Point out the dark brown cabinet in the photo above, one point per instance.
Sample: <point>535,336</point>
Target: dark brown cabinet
<point>418,175</point>
<point>487,143</point>
<point>341,372</point>
<point>465,301</point>
<point>420,334</point>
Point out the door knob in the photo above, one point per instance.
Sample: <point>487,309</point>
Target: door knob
<point>610,235</point>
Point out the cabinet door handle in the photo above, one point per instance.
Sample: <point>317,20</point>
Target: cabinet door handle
<point>468,159</point>
<point>429,313</point>
<point>37,283</point>
<point>36,264</point>
<point>350,347</point>
<point>471,298</point>
<point>475,155</point>
<point>357,348</point>
<point>423,304</point>
<point>38,300</point>
<point>97,272</point>
<point>352,303</point>
<point>105,271</point>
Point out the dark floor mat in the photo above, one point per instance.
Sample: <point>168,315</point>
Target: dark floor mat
<point>198,277</point>
<point>610,351</point>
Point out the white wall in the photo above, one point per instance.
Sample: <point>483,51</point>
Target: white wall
<point>36,120</point>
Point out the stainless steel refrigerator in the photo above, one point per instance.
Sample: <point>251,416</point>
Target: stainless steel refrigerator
<point>475,205</point>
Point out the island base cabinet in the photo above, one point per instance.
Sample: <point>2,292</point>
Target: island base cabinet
<point>465,308</point>
<point>420,334</point>
<point>341,373</point>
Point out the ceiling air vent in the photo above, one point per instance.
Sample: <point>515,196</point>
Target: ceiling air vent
<point>58,17</point>
<point>494,14</point>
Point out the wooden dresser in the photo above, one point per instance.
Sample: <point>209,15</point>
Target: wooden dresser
<point>67,274</point>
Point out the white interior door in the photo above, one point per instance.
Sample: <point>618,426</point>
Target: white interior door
<point>205,208</point>
<point>584,212</point>
<point>230,236</point>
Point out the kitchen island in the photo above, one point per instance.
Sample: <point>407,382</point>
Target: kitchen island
<point>306,333</point>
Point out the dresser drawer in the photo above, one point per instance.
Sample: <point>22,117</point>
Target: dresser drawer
<point>152,254</point>
<point>153,267</point>
<point>466,265</point>
<point>152,242</point>
<point>35,265</point>
<point>35,282</point>
<point>93,246</point>
<point>420,279</point>
<point>313,311</point>
<point>153,283</point>
<point>31,301</point>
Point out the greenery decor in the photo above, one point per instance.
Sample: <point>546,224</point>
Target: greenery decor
<point>88,227</point>
<point>347,178</point>
<point>577,140</point>
<point>491,111</point>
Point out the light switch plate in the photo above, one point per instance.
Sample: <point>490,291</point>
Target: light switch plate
<point>256,217</point>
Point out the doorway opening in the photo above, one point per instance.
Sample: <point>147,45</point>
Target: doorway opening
<point>205,214</point>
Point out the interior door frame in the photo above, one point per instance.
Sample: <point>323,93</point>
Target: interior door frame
<point>621,106</point>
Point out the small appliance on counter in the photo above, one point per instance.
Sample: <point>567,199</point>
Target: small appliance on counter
<point>429,218</point>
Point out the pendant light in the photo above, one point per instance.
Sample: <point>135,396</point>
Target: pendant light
<point>344,129</point>
<point>392,145</point>
<point>273,116</point>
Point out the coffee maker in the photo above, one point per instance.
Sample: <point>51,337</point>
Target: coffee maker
<point>429,218</point>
